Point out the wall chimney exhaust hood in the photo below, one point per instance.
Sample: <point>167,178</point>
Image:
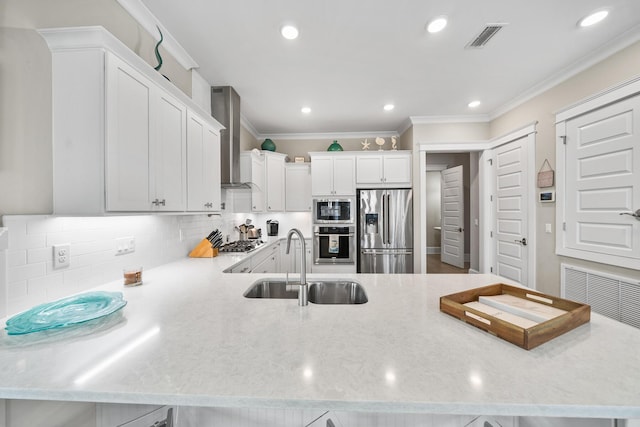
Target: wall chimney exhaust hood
<point>225,108</point>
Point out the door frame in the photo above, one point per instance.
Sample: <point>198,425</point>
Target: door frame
<point>486,188</point>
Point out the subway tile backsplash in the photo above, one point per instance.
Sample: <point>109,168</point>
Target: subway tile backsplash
<point>31,278</point>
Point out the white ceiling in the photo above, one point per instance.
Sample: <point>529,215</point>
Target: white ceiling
<point>354,56</point>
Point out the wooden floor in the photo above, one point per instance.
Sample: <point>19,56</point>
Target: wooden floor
<point>435,266</point>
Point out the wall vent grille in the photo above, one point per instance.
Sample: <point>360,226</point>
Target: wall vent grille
<point>613,296</point>
<point>485,35</point>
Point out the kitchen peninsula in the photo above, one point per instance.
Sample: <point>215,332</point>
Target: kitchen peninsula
<point>189,337</point>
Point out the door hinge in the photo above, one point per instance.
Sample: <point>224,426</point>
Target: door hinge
<point>564,139</point>
<point>491,198</point>
<point>564,226</point>
<point>491,269</point>
<point>491,162</point>
<point>491,234</point>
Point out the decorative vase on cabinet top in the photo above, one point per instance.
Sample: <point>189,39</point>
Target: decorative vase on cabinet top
<point>335,147</point>
<point>268,145</point>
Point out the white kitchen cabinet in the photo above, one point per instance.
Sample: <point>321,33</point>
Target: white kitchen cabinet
<point>298,187</point>
<point>265,173</point>
<point>146,143</point>
<point>290,263</point>
<point>267,260</point>
<point>275,185</point>
<point>119,128</point>
<point>203,165</point>
<point>383,169</point>
<point>252,171</point>
<point>333,174</point>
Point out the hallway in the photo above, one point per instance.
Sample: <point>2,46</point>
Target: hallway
<point>435,266</point>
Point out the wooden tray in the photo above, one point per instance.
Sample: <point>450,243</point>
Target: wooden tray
<point>527,338</point>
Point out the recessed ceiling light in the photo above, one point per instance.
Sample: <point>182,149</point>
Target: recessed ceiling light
<point>437,24</point>
<point>594,18</point>
<point>289,32</point>
<point>305,110</point>
<point>474,104</point>
<point>389,107</point>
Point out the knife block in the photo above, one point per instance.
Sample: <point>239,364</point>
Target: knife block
<point>204,250</point>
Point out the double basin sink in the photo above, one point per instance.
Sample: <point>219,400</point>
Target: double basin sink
<point>320,292</point>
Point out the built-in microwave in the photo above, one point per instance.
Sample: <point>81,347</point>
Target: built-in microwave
<point>333,211</point>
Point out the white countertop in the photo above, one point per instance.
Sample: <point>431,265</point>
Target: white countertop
<point>189,337</point>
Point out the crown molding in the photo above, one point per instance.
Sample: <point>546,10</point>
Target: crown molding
<point>624,40</point>
<point>249,127</point>
<point>148,21</point>
<point>428,120</point>
<point>331,135</point>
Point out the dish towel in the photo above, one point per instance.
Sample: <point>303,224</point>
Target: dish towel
<point>334,244</point>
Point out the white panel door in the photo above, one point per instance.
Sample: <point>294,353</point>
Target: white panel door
<point>321,176</point>
<point>128,137</point>
<point>452,217</point>
<point>603,181</point>
<point>344,176</point>
<point>167,153</point>
<point>511,205</point>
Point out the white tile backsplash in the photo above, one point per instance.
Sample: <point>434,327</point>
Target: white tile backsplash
<point>31,278</point>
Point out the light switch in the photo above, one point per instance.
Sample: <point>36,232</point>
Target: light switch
<point>547,228</point>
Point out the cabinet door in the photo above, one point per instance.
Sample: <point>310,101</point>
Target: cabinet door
<point>397,169</point>
<point>298,188</point>
<point>344,176</point>
<point>203,165</point>
<point>167,154</point>
<point>128,124</point>
<point>322,176</point>
<point>275,183</point>
<point>211,175</point>
<point>258,184</point>
<point>369,170</point>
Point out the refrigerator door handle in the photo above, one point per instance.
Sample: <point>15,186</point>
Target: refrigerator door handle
<point>387,219</point>
<point>383,222</point>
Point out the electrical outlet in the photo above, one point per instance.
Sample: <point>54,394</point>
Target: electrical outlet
<point>125,245</point>
<point>61,255</point>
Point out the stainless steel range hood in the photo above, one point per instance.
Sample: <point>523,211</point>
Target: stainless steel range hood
<point>225,108</point>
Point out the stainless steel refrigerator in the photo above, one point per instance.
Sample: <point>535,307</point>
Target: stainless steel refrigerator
<point>385,231</point>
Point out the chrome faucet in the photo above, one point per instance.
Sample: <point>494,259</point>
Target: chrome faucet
<point>303,294</point>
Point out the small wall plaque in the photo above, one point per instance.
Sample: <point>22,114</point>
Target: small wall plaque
<point>545,177</point>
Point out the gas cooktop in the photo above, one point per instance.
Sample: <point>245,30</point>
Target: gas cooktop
<point>241,246</point>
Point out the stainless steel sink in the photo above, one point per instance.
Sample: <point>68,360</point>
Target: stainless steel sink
<point>320,292</point>
<point>337,292</point>
<point>272,288</point>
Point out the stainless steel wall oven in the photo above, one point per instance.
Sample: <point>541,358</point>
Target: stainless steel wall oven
<point>334,244</point>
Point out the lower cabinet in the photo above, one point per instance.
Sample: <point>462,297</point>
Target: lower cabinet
<point>290,263</point>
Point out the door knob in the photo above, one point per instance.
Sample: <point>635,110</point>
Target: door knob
<point>635,214</point>
<point>523,242</point>
<point>460,229</point>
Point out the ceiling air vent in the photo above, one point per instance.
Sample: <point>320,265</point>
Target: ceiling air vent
<point>485,35</point>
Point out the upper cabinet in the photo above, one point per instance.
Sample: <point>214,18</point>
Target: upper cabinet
<point>203,165</point>
<point>386,169</point>
<point>298,187</point>
<point>333,174</point>
<point>145,143</point>
<point>265,172</point>
<point>121,132</point>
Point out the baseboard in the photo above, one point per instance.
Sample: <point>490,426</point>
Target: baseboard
<point>472,271</point>
<point>433,250</point>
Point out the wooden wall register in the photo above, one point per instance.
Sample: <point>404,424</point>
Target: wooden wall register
<point>519,315</point>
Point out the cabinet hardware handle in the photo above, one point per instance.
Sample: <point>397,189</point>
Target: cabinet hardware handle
<point>155,202</point>
<point>161,202</point>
